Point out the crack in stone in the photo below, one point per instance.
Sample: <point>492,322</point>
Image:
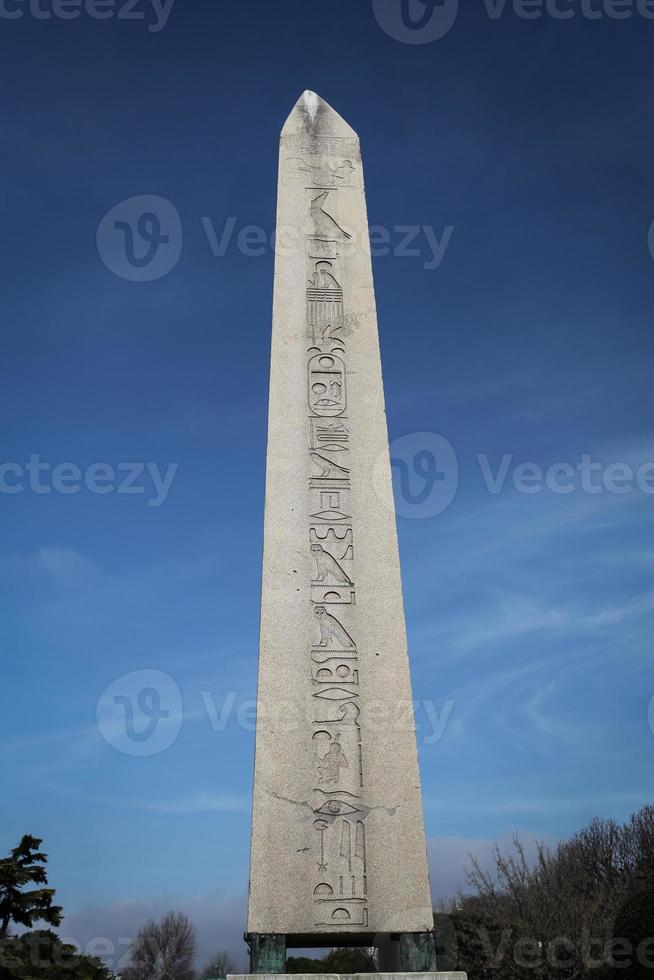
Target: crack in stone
<point>286,799</point>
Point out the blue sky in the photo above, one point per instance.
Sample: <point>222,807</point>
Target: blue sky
<point>529,614</point>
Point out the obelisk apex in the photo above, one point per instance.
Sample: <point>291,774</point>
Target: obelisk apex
<point>338,851</point>
<point>314,116</point>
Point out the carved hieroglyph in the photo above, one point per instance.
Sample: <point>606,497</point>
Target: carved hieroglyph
<point>337,831</point>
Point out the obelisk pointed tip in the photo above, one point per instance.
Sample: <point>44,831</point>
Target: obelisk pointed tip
<point>312,115</point>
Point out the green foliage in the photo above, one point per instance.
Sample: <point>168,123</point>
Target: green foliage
<point>303,964</point>
<point>41,955</point>
<point>21,905</point>
<point>345,960</point>
<point>349,960</point>
<point>37,955</point>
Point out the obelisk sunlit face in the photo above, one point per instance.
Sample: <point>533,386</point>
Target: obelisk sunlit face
<point>338,844</point>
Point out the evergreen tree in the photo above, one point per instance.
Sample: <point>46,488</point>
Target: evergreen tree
<point>40,955</point>
<point>21,905</point>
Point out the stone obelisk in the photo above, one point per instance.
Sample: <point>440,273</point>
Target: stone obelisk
<point>338,851</point>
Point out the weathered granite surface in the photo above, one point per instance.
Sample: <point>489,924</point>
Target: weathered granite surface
<point>338,843</point>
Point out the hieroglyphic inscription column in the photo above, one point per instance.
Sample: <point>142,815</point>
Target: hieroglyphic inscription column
<point>338,849</point>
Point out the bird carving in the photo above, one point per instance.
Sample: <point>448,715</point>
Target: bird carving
<point>331,629</point>
<point>324,225</point>
<point>327,565</point>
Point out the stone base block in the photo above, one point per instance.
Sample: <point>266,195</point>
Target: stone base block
<point>436,975</point>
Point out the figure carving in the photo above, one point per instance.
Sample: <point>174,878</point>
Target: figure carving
<point>328,516</point>
<point>320,399</point>
<point>321,826</point>
<point>329,437</point>
<point>336,808</point>
<point>323,278</point>
<point>331,629</point>
<point>325,226</point>
<point>323,595</point>
<point>327,468</point>
<point>326,175</point>
<point>327,333</point>
<point>331,537</point>
<point>326,385</point>
<point>327,565</point>
<point>330,765</point>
